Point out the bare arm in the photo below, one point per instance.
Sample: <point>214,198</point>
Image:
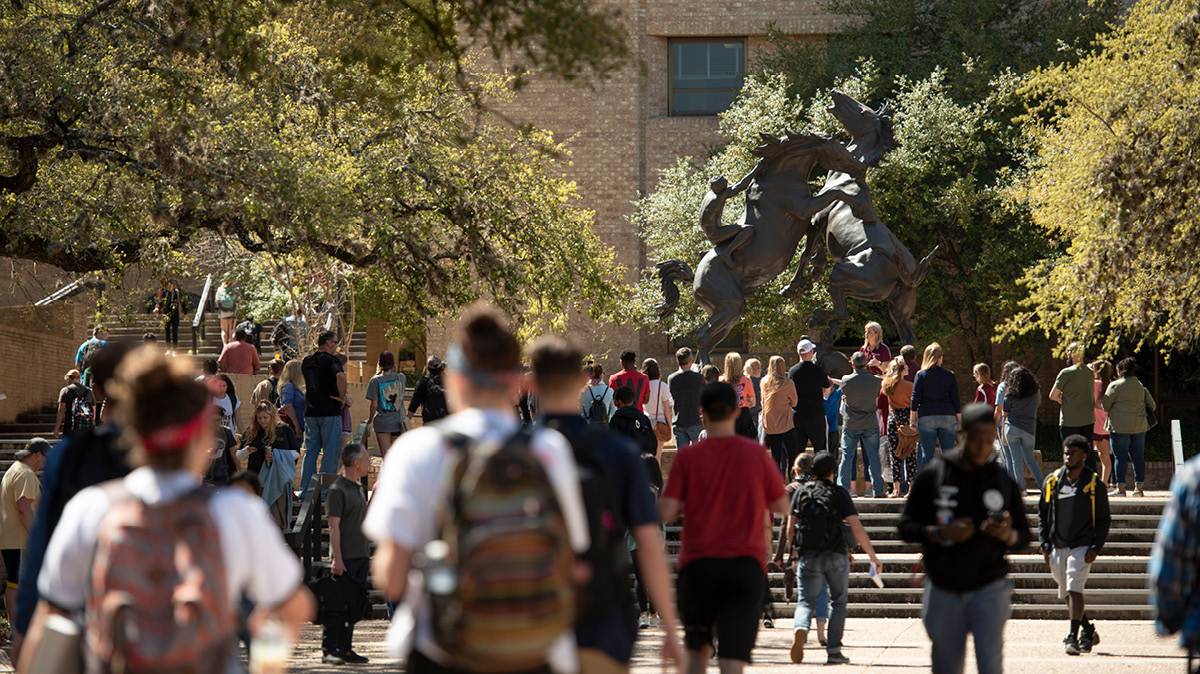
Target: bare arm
<point>25,510</point>
<point>779,505</point>
<point>294,613</point>
<point>335,543</point>
<point>669,509</point>
<point>656,574</point>
<point>341,385</point>
<point>864,542</point>
<point>389,569</point>
<point>58,420</point>
<point>1056,395</point>
<point>37,629</point>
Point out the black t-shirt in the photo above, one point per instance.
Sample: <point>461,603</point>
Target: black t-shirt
<point>320,381</point>
<point>945,491</point>
<point>810,381</point>
<point>346,501</point>
<point>685,389</point>
<point>67,397</point>
<point>284,439</point>
<point>841,499</point>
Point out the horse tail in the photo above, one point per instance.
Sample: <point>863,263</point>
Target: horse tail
<point>669,273</point>
<point>923,266</point>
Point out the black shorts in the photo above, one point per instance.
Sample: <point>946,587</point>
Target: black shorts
<point>12,565</point>
<point>721,598</point>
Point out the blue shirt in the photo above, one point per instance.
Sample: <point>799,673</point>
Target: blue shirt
<point>935,392</point>
<point>1175,562</point>
<point>289,394</point>
<point>832,405</point>
<point>83,347</point>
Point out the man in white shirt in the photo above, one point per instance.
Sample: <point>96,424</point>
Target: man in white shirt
<point>482,379</point>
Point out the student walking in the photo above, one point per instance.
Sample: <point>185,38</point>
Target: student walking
<point>658,408</point>
<point>629,376</point>
<point>620,503</point>
<point>685,384</point>
<point>632,424</point>
<point>935,406</point>
<point>76,406</point>
<point>20,491</point>
<point>725,487</point>
<point>819,510</point>
<point>430,393</point>
<point>461,540</point>
<point>385,392</point>
<point>1074,517</point>
<point>1103,371</point>
<point>596,399</point>
<point>1021,402</point>
<point>169,303</point>
<point>1129,406</point>
<point>967,513</point>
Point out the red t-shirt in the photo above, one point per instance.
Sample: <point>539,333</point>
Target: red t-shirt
<point>635,380</point>
<point>239,358</point>
<point>725,485</point>
<point>985,394</point>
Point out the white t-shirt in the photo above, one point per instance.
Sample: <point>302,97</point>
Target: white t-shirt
<point>257,561</point>
<point>226,404</point>
<point>656,406</point>
<point>408,497</point>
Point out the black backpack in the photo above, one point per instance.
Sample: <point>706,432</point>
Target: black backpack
<point>608,554</point>
<point>636,428</point>
<point>818,521</point>
<point>597,410</point>
<point>434,407</point>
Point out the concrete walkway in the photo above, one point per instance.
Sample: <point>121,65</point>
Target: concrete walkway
<point>875,645</point>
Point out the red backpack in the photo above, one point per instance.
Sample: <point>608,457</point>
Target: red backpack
<point>157,600</point>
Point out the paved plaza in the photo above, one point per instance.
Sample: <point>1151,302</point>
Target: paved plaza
<point>875,645</point>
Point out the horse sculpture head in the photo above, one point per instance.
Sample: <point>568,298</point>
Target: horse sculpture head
<point>870,130</point>
<point>801,151</point>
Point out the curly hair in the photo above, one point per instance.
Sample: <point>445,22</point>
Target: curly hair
<point>1020,384</point>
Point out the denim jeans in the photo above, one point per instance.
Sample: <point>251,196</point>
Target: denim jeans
<point>950,616</point>
<point>869,439</point>
<point>935,430</point>
<point>1128,446</point>
<point>1006,455</point>
<point>1020,446</point>
<point>816,571</point>
<point>321,433</point>
<point>686,435</point>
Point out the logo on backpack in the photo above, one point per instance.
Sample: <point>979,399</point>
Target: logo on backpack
<point>819,522</point>
<point>499,577</point>
<point>173,615</point>
<point>83,412</point>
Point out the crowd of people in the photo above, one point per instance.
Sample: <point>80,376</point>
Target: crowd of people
<point>520,524</point>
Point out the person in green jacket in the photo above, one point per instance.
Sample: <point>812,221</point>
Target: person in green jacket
<point>1129,404</point>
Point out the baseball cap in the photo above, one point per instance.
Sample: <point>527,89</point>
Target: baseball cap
<point>806,346</point>
<point>433,363</point>
<point>34,446</point>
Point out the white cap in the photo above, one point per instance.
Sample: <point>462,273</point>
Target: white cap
<point>806,346</point>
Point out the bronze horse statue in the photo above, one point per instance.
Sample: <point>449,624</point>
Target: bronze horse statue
<point>779,210</point>
<point>869,262</point>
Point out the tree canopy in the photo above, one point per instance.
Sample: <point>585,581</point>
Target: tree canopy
<point>1116,182</point>
<point>349,130</point>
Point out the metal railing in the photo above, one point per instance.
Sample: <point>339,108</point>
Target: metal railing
<point>305,535</point>
<point>198,319</point>
<point>70,290</point>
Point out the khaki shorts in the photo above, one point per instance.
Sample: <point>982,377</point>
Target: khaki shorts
<point>1069,569</point>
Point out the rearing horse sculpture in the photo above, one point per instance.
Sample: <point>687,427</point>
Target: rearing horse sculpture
<point>779,209</point>
<point>870,263</point>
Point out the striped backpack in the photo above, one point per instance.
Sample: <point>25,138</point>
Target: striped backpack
<point>507,551</point>
<point>157,598</point>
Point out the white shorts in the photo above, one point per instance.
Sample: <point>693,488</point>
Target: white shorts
<point>1069,569</point>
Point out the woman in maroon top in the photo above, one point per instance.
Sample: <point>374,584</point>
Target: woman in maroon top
<point>878,356</point>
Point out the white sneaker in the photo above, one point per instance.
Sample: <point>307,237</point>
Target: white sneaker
<point>644,621</point>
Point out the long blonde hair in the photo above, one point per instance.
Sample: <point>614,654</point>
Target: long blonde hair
<point>867,330</point>
<point>933,356</point>
<point>895,372</point>
<point>292,374</point>
<point>267,431</point>
<point>733,368</point>
<point>776,371</point>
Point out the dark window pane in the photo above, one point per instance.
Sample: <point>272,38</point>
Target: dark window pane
<point>725,60</point>
<point>705,75</point>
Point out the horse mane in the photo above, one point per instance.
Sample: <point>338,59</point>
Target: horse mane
<point>772,147</point>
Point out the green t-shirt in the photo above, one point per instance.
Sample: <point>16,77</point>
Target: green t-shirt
<point>1078,396</point>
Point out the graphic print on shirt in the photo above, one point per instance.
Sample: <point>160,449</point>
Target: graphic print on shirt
<point>389,394</point>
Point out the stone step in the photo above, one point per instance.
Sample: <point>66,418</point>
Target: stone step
<point>1047,611</point>
<point>1111,549</point>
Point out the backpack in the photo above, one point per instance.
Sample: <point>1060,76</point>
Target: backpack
<point>225,301</point>
<point>434,407</point>
<point>89,351</point>
<point>83,412</point>
<point>173,615</point>
<point>608,554</point>
<point>502,591</point>
<point>818,521</point>
<point>597,410</point>
<point>636,428</point>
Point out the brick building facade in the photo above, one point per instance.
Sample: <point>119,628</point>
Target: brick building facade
<point>625,130</point>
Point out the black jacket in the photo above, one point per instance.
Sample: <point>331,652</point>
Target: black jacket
<point>636,426</point>
<point>1089,515</point>
<point>945,491</point>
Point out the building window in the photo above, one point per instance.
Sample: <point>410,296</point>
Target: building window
<point>706,75</point>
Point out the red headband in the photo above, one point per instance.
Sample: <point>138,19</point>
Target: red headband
<point>177,438</point>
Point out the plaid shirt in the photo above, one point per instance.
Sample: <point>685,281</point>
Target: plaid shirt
<point>1175,580</point>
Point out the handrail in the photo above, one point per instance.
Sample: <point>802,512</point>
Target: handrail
<point>305,535</point>
<point>70,290</point>
<point>198,318</point>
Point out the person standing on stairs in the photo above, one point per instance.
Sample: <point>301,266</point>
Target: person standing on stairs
<point>967,513</point>
<point>351,556</point>
<point>1074,516</point>
<point>169,305</point>
<point>239,356</point>
<point>226,300</point>
<point>325,395</point>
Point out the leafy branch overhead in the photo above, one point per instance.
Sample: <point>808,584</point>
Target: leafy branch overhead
<point>348,129</point>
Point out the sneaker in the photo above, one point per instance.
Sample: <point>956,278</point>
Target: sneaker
<point>644,622</point>
<point>1138,493</point>
<point>1088,639</point>
<point>1114,491</point>
<point>331,659</point>
<point>797,651</point>
<point>837,659</point>
<point>768,622</point>
<point>655,620</point>
<point>354,658</point>
<point>1071,645</point>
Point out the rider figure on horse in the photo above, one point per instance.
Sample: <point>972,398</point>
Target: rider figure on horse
<point>725,238</point>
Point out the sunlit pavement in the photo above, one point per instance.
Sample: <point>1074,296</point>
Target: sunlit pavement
<point>875,644</point>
